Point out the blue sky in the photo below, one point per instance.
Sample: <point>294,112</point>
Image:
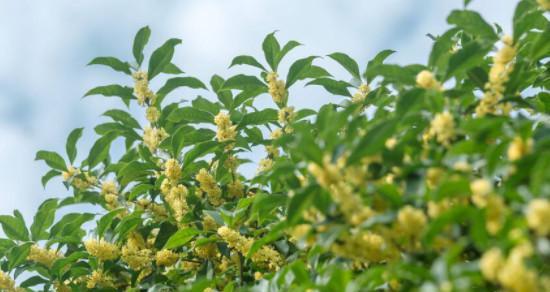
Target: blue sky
<point>45,46</point>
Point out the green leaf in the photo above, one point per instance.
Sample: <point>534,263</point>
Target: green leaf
<point>243,82</point>
<point>43,219</point>
<point>287,48</point>
<point>472,23</point>
<point>191,115</point>
<point>141,39</point>
<point>373,141</point>
<point>470,56</point>
<point>181,237</point>
<point>176,82</point>
<point>527,17</point>
<point>33,281</point>
<point>112,62</point>
<point>199,150</point>
<point>48,176</point>
<point>396,74</point>
<point>224,96</point>
<point>348,63</point>
<point>171,68</point>
<point>262,117</point>
<point>332,86</point>
<point>298,69</point>
<point>377,60</point>
<point>206,105</point>
<point>127,225</point>
<point>123,117</point>
<point>18,255</point>
<point>541,47</point>
<point>161,57</point>
<point>275,232</point>
<point>14,227</point>
<point>105,221</point>
<point>124,92</point>
<point>70,146</point>
<point>100,150</point>
<point>299,202</point>
<point>271,50</point>
<point>246,60</point>
<point>52,159</point>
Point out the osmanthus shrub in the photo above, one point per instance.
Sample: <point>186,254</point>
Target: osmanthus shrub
<point>422,177</point>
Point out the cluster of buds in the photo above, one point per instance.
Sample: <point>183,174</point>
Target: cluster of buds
<point>442,127</point>
<point>141,88</point>
<point>266,257</point>
<point>174,194</point>
<point>426,79</point>
<point>101,249</point>
<point>43,256</point>
<point>152,137</point>
<point>360,96</point>
<point>226,130</point>
<point>209,185</point>
<point>277,88</point>
<point>109,191</point>
<point>498,76</point>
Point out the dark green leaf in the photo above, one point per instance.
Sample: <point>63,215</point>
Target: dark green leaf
<point>161,57</point>
<point>100,150</point>
<point>141,39</point>
<point>271,50</point>
<point>70,146</point>
<point>43,219</point>
<point>180,238</point>
<point>332,86</point>
<point>348,63</point>
<point>298,69</point>
<point>52,159</point>
<point>246,60</point>
<point>124,92</point>
<point>472,23</point>
<point>112,62</point>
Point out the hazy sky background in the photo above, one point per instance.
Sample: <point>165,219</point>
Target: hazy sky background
<point>45,45</point>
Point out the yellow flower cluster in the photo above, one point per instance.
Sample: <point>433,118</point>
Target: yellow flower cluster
<point>495,212</point>
<point>511,272</point>
<point>101,249</point>
<point>481,189</point>
<point>152,114</point>
<point>109,191</point>
<point>265,164</point>
<point>83,183</point>
<point>361,94</point>
<point>330,177</point>
<point>410,221</point>
<point>538,216</point>
<point>226,130</point>
<point>99,279</point>
<point>166,257</point>
<point>544,4</point>
<point>426,79</point>
<point>442,127</point>
<point>277,88</point>
<point>141,88</point>
<point>70,173</point>
<point>210,187</point>
<point>6,282</point>
<point>153,136</point>
<point>286,117</point>
<point>276,134</point>
<point>206,251</point>
<point>498,76</point>
<point>137,258</point>
<point>172,169</point>
<point>266,257</point>
<point>235,189</point>
<point>364,247</point>
<point>43,256</point>
<point>175,196</point>
<point>519,148</point>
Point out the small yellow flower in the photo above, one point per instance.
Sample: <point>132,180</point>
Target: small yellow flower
<point>538,216</point>
<point>101,249</point>
<point>43,256</point>
<point>172,169</point>
<point>443,128</point>
<point>544,4</point>
<point>481,188</point>
<point>166,257</point>
<point>490,264</point>
<point>152,114</point>
<point>6,282</point>
<point>410,221</point>
<point>519,148</point>
<point>286,115</point>
<point>98,278</point>
<point>425,79</point>
<point>210,187</point>
<point>153,136</point>
<point>226,130</point>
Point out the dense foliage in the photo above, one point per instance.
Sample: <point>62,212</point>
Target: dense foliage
<point>432,177</point>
